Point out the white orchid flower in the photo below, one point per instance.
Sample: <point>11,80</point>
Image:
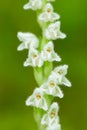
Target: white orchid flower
<point>28,40</point>
<point>51,87</point>
<point>34,59</point>
<point>59,73</point>
<point>33,4</point>
<point>53,31</point>
<point>51,117</point>
<point>48,14</point>
<point>37,99</point>
<point>48,53</point>
<point>54,127</point>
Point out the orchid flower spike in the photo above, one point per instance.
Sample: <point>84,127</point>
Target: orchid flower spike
<point>41,54</point>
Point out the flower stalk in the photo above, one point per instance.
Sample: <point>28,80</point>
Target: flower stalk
<point>41,55</point>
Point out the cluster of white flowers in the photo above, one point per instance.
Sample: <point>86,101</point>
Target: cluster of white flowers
<point>57,77</point>
<point>50,87</point>
<point>37,57</point>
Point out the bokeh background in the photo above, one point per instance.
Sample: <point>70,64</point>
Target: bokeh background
<point>17,82</point>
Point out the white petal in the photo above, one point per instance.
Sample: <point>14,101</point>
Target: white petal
<point>44,120</point>
<point>30,101</point>
<point>33,4</point>
<point>20,36</point>
<point>27,6</point>
<point>53,75</point>
<point>40,62</point>
<point>44,105</point>
<point>44,86</point>
<point>54,107</point>
<point>50,44</point>
<point>48,6</point>
<point>55,57</point>
<point>21,47</point>
<point>62,68</point>
<point>61,35</point>
<point>37,103</point>
<point>59,93</point>
<point>28,62</point>
<point>54,16</point>
<point>66,82</point>
<point>38,90</point>
<point>54,127</point>
<point>48,35</point>
<point>24,36</point>
<point>42,17</point>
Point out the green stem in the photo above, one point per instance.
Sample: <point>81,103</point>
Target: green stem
<point>38,113</point>
<point>38,74</point>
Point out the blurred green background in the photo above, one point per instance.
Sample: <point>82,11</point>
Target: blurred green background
<point>17,82</point>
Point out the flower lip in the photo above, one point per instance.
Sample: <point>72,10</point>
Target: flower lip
<point>35,56</point>
<point>49,50</point>
<point>52,84</point>
<point>38,96</point>
<point>60,72</point>
<point>52,114</point>
<point>48,10</point>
